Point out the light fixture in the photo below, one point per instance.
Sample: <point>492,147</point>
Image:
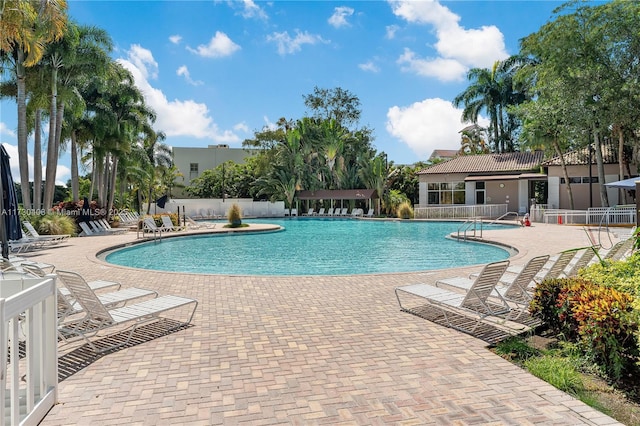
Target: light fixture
<point>502,185</point>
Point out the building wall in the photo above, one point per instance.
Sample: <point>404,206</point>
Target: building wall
<point>582,199</point>
<point>205,159</point>
<point>496,191</point>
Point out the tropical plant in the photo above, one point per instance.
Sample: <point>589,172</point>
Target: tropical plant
<point>235,216</point>
<point>405,211</point>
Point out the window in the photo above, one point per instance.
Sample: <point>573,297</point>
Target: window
<point>193,170</point>
<point>579,179</point>
<point>445,193</point>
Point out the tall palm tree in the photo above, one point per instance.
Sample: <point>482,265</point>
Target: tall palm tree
<point>26,28</point>
<point>82,51</point>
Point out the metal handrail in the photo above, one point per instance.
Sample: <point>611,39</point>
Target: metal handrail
<point>466,226</point>
<point>517,215</point>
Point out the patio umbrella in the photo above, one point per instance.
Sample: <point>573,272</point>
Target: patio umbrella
<point>629,184</point>
<point>10,228</point>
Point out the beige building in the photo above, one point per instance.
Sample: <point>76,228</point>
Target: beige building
<point>516,178</point>
<point>191,162</point>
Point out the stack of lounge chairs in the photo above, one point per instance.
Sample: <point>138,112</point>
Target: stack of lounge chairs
<point>86,308</point>
<point>499,295</point>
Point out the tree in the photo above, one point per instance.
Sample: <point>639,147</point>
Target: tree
<point>26,28</point>
<point>334,104</point>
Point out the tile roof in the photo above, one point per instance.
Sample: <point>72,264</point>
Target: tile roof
<point>444,153</point>
<point>506,162</point>
<point>581,156</point>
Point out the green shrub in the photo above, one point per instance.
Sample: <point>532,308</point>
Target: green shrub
<point>235,216</point>
<point>622,275</point>
<point>54,224</point>
<point>600,319</point>
<point>559,372</point>
<point>405,210</point>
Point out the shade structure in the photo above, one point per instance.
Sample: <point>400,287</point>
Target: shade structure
<point>10,227</point>
<point>624,184</point>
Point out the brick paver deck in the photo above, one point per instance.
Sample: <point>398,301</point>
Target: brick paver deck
<point>304,350</point>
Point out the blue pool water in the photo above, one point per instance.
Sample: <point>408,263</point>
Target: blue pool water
<point>314,247</point>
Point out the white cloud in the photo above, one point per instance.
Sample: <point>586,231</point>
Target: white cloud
<point>219,46</point>
<point>288,45</point>
<point>241,127</point>
<point>458,49</point>
<point>63,173</point>
<point>183,71</point>
<point>248,9</point>
<point>369,66</point>
<point>178,117</point>
<point>142,59</point>
<point>4,130</point>
<point>269,124</point>
<point>427,125</point>
<point>391,31</point>
<point>442,69</point>
<point>339,17</point>
<point>175,39</point>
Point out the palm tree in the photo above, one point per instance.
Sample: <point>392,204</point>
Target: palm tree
<point>82,51</point>
<point>26,28</point>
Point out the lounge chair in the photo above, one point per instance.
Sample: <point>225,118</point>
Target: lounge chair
<point>308,213</point>
<point>330,211</point>
<point>68,305</point>
<point>199,225</point>
<point>167,225</point>
<point>581,260</point>
<point>294,212</point>
<point>320,212</point>
<point>345,212</point>
<point>474,305</point>
<point>33,233</point>
<point>554,268</point>
<point>515,292</point>
<point>96,317</point>
<point>86,230</point>
<point>370,213</point>
<point>149,227</point>
<point>619,250</point>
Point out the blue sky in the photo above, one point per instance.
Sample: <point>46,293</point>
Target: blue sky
<point>217,71</point>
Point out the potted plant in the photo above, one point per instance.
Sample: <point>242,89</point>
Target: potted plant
<point>235,216</point>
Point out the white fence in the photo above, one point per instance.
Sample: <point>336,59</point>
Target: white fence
<point>487,211</point>
<point>217,207</point>
<point>28,347</point>
<point>618,215</point>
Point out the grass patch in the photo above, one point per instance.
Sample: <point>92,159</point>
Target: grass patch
<point>559,372</point>
<point>561,365</point>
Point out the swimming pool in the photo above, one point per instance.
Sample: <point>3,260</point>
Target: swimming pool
<point>313,247</point>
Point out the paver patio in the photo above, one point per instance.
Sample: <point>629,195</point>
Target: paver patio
<point>304,350</point>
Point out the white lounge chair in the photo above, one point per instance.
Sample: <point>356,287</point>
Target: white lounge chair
<point>149,227</point>
<point>330,211</point>
<point>33,233</point>
<point>554,268</point>
<point>199,225</point>
<point>96,317</point>
<point>167,225</point>
<point>517,291</point>
<point>294,212</point>
<point>308,213</point>
<point>320,212</point>
<point>370,213</point>
<point>474,305</point>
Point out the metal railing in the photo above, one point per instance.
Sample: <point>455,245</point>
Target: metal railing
<point>459,211</point>
<point>28,344</point>
<point>475,224</point>
<point>617,215</point>
<point>507,214</point>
